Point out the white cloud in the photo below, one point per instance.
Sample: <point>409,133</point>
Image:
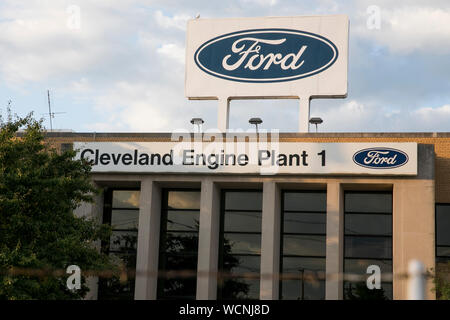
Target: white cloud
<point>354,116</point>
<point>141,107</point>
<point>176,21</point>
<point>407,29</point>
<point>82,85</point>
<point>173,51</point>
<point>109,126</point>
<point>349,116</point>
<point>428,114</point>
<point>330,6</point>
<point>261,2</point>
<point>127,60</point>
<point>429,119</point>
<point>36,42</point>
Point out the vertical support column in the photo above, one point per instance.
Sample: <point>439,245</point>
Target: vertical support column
<point>303,115</point>
<point>223,112</point>
<point>413,232</point>
<point>270,242</point>
<point>148,241</point>
<point>208,248</point>
<point>335,242</point>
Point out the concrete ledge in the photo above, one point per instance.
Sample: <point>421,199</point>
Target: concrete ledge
<point>287,135</point>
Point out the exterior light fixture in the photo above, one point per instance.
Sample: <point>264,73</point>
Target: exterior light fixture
<point>315,121</point>
<point>255,121</point>
<point>197,122</point>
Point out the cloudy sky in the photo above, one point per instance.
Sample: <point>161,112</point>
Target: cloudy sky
<point>120,66</point>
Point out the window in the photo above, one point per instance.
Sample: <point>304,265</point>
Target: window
<point>240,245</point>
<point>368,241</point>
<point>121,211</point>
<point>179,244</point>
<point>303,245</point>
<point>442,241</point>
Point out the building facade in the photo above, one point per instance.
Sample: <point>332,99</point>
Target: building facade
<point>279,236</point>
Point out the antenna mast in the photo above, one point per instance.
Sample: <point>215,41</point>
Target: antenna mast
<point>49,110</point>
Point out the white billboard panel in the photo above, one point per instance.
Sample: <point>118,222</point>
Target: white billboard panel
<point>271,57</point>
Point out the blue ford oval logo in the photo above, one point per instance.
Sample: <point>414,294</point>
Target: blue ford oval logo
<point>380,158</point>
<point>266,55</point>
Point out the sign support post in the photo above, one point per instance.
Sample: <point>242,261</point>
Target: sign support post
<point>223,112</point>
<point>267,58</point>
<point>303,114</point>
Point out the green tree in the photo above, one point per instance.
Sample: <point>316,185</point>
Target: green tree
<point>39,189</point>
<point>232,287</point>
<point>359,291</point>
<point>441,281</point>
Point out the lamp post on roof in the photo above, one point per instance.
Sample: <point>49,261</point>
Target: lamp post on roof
<point>255,121</point>
<point>197,122</point>
<point>316,121</point>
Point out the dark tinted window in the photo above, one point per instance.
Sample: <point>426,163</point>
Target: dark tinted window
<point>179,220</point>
<point>121,211</point>
<point>368,224</point>
<point>243,201</point>
<point>240,245</point>
<point>128,199</point>
<point>368,202</point>
<point>303,245</point>
<point>124,219</point>
<point>179,244</point>
<point>368,241</point>
<point>368,247</point>
<point>359,291</point>
<point>359,266</point>
<point>183,200</point>
<point>443,251</point>
<point>243,243</point>
<point>299,222</point>
<point>442,243</point>
<point>242,221</point>
<point>305,201</point>
<point>443,225</point>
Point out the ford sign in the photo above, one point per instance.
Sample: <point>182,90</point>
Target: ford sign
<point>266,55</point>
<point>380,158</point>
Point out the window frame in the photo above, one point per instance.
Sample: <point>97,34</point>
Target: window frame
<point>363,235</point>
<point>162,236</point>
<point>436,233</point>
<point>282,234</point>
<point>222,236</point>
<point>107,219</point>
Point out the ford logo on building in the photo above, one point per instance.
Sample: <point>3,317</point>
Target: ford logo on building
<point>266,55</point>
<point>380,158</point>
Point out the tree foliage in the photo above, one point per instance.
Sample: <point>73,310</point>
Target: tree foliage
<point>360,291</point>
<point>441,281</point>
<point>39,190</point>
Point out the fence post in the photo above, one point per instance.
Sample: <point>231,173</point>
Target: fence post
<point>416,280</point>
